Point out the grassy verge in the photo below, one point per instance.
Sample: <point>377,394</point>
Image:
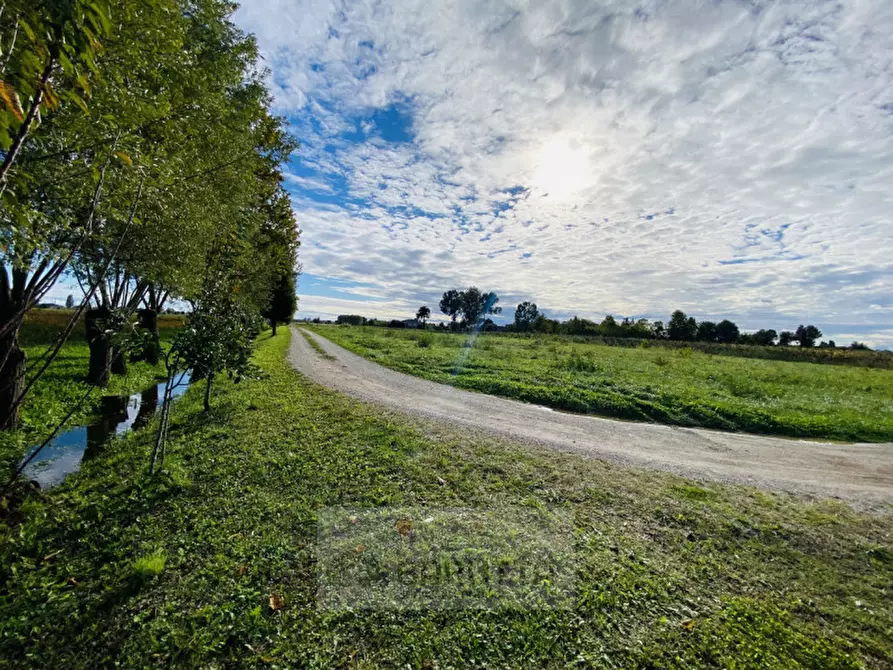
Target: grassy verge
<point>216,563</point>
<point>682,387</point>
<point>315,345</point>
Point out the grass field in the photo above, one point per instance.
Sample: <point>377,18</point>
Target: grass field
<point>63,385</point>
<point>219,562</point>
<point>675,386</point>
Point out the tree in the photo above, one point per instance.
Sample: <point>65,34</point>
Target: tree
<point>707,331</point>
<point>451,304</point>
<point>682,327</point>
<point>218,337</point>
<point>806,336</point>
<point>727,332</point>
<point>283,301</point>
<point>423,314</point>
<point>786,337</point>
<point>69,301</point>
<point>859,346</point>
<point>174,149</point>
<point>764,338</point>
<point>52,48</point>
<point>526,316</point>
<point>476,305</point>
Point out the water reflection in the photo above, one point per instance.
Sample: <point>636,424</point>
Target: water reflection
<point>117,415</point>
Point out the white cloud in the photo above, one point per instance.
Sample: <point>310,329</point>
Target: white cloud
<point>730,158</point>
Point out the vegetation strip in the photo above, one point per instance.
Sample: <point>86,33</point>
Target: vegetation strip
<point>215,561</point>
<point>316,346</point>
<point>681,387</point>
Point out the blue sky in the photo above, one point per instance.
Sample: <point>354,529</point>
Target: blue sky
<point>732,158</point>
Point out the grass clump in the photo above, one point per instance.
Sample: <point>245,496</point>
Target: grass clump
<point>681,386</point>
<point>232,553</point>
<point>149,566</point>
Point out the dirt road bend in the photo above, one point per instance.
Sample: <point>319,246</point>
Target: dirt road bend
<point>860,473</point>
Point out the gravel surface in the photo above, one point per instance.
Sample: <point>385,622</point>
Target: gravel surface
<point>861,473</point>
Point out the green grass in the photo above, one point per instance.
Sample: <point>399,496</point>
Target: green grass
<point>62,386</point>
<point>681,387</point>
<point>217,563</point>
<point>316,346</point>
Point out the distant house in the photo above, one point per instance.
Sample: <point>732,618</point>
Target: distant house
<point>411,323</point>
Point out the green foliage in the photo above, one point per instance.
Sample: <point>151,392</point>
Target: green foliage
<point>665,576</point>
<point>526,315</point>
<point>177,154</point>
<point>283,299</point>
<point>806,336</point>
<point>149,566</point>
<point>682,327</point>
<point>688,388</point>
<point>472,304</point>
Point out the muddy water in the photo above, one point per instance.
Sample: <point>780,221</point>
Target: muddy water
<point>116,415</point>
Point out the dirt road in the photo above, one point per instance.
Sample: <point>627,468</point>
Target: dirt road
<point>856,472</point>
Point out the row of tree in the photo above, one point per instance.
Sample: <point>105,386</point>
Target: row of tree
<point>680,327</point>
<point>139,157</point>
<point>472,307</point>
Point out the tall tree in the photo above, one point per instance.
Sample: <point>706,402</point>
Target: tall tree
<point>707,331</point>
<point>727,332</point>
<point>451,304</point>
<point>476,305</point>
<point>807,336</point>
<point>423,314</point>
<point>283,300</point>
<point>682,327</point>
<point>526,315</point>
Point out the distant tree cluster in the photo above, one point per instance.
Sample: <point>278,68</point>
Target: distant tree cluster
<point>351,319</point>
<point>472,307</point>
<point>468,308</point>
<point>680,327</point>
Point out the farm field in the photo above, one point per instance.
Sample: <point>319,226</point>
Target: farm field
<point>674,386</point>
<point>218,562</point>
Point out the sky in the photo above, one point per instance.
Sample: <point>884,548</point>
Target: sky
<point>731,158</point>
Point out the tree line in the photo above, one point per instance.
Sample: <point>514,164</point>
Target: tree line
<point>141,160</point>
<point>471,308</point>
<point>680,327</point>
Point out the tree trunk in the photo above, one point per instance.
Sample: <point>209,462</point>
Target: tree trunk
<point>119,361</point>
<point>273,321</point>
<point>208,393</point>
<point>148,320</point>
<point>12,379</point>
<point>100,347</point>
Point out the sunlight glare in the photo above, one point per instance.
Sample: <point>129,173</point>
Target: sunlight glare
<point>562,169</point>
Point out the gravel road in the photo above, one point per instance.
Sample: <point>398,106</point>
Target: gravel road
<point>861,473</point>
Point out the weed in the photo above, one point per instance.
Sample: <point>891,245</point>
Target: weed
<point>149,566</point>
